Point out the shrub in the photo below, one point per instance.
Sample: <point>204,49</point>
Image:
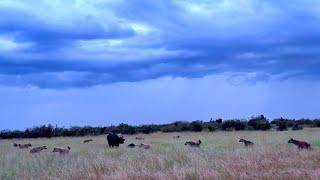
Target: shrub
<point>219,121</point>
<point>196,126</point>
<point>169,128</point>
<point>259,123</point>
<point>316,123</point>
<point>233,125</point>
<point>182,126</point>
<point>126,129</point>
<point>255,123</point>
<point>281,123</point>
<point>147,129</point>
<point>297,127</point>
<point>211,127</point>
<point>282,126</point>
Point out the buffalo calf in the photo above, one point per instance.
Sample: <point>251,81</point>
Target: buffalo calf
<point>131,145</point>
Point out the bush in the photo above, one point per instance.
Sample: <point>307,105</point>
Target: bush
<point>259,123</point>
<point>147,129</point>
<point>281,123</point>
<point>182,126</point>
<point>219,121</point>
<point>169,128</point>
<point>42,131</point>
<point>282,126</point>
<point>196,126</point>
<point>211,127</point>
<point>255,123</point>
<point>316,123</point>
<point>233,125</point>
<point>126,129</point>
<point>297,127</point>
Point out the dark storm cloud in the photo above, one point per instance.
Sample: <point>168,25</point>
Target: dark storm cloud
<point>161,38</point>
<point>26,27</point>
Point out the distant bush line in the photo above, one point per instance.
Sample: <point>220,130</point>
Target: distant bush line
<point>254,123</point>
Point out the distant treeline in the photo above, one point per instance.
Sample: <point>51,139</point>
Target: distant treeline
<point>254,123</point>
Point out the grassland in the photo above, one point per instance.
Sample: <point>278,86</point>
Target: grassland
<point>220,156</point>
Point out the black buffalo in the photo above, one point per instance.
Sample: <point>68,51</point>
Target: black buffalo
<point>114,140</point>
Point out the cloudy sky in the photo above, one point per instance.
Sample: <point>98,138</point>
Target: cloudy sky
<point>103,62</point>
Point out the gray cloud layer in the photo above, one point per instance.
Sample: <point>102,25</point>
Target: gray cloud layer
<point>87,44</point>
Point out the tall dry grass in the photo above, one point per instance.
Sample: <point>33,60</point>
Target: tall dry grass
<point>221,156</point>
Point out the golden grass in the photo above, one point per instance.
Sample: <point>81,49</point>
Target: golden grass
<point>220,156</point>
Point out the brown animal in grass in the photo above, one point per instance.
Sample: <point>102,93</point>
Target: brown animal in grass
<point>62,151</point>
<point>139,138</point>
<point>300,144</point>
<point>145,146</point>
<point>23,146</point>
<point>246,142</point>
<point>37,149</point>
<point>193,144</point>
<point>87,140</point>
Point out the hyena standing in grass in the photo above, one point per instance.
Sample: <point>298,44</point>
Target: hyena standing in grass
<point>193,144</point>
<point>145,146</point>
<point>300,144</point>
<point>62,151</point>
<point>87,140</point>
<point>37,149</point>
<point>22,146</point>
<point>246,142</point>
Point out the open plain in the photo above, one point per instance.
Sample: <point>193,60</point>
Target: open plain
<point>220,156</point>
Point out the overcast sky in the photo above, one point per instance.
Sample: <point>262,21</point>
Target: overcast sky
<point>103,62</point>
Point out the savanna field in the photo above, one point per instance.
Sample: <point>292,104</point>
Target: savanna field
<point>220,156</point>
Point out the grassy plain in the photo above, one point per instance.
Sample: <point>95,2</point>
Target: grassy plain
<point>220,156</point>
